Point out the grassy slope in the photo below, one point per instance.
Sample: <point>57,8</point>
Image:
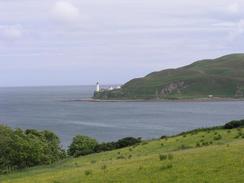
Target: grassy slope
<point>219,77</point>
<point>223,161</point>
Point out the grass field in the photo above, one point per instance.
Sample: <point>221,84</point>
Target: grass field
<point>205,156</point>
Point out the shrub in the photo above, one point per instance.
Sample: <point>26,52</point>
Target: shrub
<point>165,167</point>
<point>130,156</point>
<point>234,124</point>
<point>82,145</point>
<point>128,141</point>
<point>218,137</point>
<point>198,144</point>
<point>120,157</point>
<point>125,142</point>
<point>93,161</point>
<point>88,172</point>
<point>205,143</point>
<point>105,147</point>
<point>21,149</point>
<point>104,167</point>
<point>237,136</point>
<point>162,157</point>
<point>163,137</point>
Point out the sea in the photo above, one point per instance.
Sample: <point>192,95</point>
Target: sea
<point>65,111</point>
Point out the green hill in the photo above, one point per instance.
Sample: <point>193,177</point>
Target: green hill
<point>222,77</point>
<point>199,156</point>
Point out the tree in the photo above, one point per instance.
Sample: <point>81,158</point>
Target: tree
<point>127,141</point>
<point>82,145</point>
<point>21,149</point>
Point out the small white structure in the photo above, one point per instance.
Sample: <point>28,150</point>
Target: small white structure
<point>110,88</point>
<point>118,87</point>
<point>97,87</point>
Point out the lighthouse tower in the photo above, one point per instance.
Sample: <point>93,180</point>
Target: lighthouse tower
<point>97,87</point>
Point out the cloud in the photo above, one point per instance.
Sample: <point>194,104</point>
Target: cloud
<point>240,27</point>
<point>234,8</point>
<point>238,30</point>
<point>65,12</point>
<point>11,32</point>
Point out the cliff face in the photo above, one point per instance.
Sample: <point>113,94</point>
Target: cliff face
<point>221,77</point>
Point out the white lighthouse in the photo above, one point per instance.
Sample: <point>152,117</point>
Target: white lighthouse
<point>97,87</point>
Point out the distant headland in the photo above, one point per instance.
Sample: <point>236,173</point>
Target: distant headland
<point>211,79</point>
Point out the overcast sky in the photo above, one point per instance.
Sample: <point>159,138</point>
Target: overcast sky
<point>72,42</point>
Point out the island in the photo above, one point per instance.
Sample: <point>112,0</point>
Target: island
<point>221,78</point>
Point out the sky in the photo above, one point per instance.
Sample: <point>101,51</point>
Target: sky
<point>80,42</point>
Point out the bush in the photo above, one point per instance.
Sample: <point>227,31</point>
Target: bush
<point>93,161</point>
<point>218,137</point>
<point>105,147</point>
<point>165,167</point>
<point>130,156</point>
<point>163,137</point>
<point>198,144</point>
<point>205,143</point>
<point>195,131</point>
<point>21,149</point>
<point>121,157</point>
<point>125,142</point>
<point>128,141</point>
<point>88,172</point>
<point>104,167</point>
<point>234,124</point>
<point>82,145</point>
<point>162,157</point>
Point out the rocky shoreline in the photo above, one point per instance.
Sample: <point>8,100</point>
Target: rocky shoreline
<point>159,100</point>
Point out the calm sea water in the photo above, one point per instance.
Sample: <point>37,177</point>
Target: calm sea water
<point>50,108</point>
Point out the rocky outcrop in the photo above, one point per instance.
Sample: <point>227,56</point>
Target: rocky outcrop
<point>174,87</point>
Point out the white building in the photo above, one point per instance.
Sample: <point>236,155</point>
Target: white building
<point>110,88</point>
<point>97,87</point>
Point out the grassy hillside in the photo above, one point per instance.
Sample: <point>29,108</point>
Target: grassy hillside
<point>204,156</point>
<point>221,77</point>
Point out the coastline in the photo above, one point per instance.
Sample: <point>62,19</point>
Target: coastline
<point>159,100</point>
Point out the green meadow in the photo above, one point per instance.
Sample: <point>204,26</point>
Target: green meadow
<point>199,156</point>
